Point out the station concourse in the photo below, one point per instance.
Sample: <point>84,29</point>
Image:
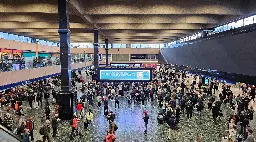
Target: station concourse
<point>127,71</point>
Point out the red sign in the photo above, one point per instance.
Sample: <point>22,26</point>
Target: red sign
<point>150,65</point>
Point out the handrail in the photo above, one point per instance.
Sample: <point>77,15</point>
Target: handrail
<point>10,133</point>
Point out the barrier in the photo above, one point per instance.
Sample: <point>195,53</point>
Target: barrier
<point>16,78</point>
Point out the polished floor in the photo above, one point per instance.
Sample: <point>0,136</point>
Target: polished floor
<point>131,126</point>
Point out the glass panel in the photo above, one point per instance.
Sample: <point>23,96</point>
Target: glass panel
<point>239,23</point>
<point>248,21</point>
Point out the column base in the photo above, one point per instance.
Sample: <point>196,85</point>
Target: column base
<point>65,102</point>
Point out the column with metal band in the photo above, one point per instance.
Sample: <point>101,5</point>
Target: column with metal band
<point>106,48</point>
<point>65,96</point>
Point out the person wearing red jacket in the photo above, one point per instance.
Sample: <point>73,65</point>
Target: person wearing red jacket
<point>79,108</point>
<point>30,127</point>
<point>110,137</point>
<point>74,125</point>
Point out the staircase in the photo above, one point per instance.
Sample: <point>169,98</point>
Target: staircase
<point>8,136</point>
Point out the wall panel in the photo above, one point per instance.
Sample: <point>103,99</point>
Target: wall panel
<point>233,54</point>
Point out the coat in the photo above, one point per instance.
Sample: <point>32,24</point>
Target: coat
<point>89,116</point>
<point>110,138</point>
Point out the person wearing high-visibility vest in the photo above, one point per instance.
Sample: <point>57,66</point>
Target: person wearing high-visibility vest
<point>89,116</point>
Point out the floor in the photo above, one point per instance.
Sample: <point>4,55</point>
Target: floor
<point>131,126</point>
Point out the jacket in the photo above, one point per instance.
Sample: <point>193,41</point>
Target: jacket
<point>110,138</point>
<point>249,139</point>
<point>89,116</point>
<point>75,123</point>
<point>54,123</point>
<point>79,106</point>
<point>47,130</point>
<point>30,125</point>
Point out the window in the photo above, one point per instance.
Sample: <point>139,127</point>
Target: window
<point>248,21</point>
<point>239,23</point>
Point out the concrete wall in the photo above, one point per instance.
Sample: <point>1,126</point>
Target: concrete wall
<point>233,54</point>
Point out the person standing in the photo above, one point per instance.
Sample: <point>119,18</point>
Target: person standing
<point>55,121</point>
<point>30,127</point>
<point>99,100</point>
<point>26,135</point>
<point>46,131</point>
<point>89,116</point>
<point>250,136</point>
<point>146,118</point>
<point>116,101</point>
<point>189,108</point>
<point>74,126</point>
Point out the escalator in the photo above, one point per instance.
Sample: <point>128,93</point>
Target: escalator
<point>8,136</point>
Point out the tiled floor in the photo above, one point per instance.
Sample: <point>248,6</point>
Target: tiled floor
<point>131,126</point>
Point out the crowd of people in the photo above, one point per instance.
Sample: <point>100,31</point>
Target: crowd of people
<point>179,95</point>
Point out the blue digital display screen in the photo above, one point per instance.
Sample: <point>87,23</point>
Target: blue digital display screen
<point>125,75</point>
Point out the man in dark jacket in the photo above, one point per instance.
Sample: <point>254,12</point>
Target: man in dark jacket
<point>55,125</point>
<point>189,108</point>
<point>172,122</point>
<point>146,118</point>
<point>215,112</point>
<point>46,131</point>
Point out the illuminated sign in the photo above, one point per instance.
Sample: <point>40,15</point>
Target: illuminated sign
<point>125,64</point>
<point>124,74</point>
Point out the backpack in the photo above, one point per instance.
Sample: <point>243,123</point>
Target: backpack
<point>115,127</point>
<point>41,131</point>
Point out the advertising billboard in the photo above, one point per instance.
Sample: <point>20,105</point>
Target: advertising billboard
<point>124,74</point>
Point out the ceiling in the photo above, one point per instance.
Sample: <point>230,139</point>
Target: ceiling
<point>120,21</point>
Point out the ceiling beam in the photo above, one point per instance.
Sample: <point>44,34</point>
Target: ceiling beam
<point>14,6</point>
<point>151,26</point>
<point>37,25</point>
<point>32,17</point>
<point>205,19</point>
<point>105,7</point>
<point>79,10</point>
<point>51,30</point>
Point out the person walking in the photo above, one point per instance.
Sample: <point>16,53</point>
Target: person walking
<point>146,118</point>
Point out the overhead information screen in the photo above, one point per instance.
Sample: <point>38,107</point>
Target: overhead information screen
<point>125,64</point>
<point>125,74</point>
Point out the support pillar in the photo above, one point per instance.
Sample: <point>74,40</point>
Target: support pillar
<point>65,96</point>
<point>106,49</point>
<point>96,49</point>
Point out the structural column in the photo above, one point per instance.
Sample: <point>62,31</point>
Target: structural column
<point>65,97</point>
<point>106,48</point>
<point>96,49</point>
